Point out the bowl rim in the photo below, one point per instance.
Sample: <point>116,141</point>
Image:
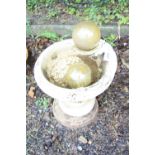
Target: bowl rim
<point>81,93</point>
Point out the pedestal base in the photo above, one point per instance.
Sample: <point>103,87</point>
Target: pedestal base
<point>74,121</point>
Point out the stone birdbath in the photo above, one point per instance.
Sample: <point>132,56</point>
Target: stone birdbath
<point>74,71</point>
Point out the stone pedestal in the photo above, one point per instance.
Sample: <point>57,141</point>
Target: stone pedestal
<point>74,121</point>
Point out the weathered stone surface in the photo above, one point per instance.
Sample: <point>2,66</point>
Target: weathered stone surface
<point>71,121</point>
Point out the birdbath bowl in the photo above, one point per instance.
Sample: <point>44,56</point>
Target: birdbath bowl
<point>76,107</point>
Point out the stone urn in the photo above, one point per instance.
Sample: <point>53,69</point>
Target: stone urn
<point>76,107</point>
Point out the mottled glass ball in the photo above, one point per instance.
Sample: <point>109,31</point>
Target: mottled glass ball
<point>78,75</point>
<point>86,35</point>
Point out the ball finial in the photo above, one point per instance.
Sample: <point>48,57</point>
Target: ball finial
<point>86,35</point>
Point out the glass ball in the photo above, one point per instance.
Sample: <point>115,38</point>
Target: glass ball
<point>78,75</point>
<point>86,35</point>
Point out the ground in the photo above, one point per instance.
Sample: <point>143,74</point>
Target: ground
<point>107,135</point>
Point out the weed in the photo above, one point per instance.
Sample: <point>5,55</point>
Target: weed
<point>110,39</point>
<point>123,20</point>
<point>42,102</point>
<point>71,10</point>
<point>65,36</point>
<point>78,1</point>
<point>107,13</point>
<point>52,13</point>
<point>50,35</point>
<point>32,4</point>
<point>53,35</point>
<point>28,28</point>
